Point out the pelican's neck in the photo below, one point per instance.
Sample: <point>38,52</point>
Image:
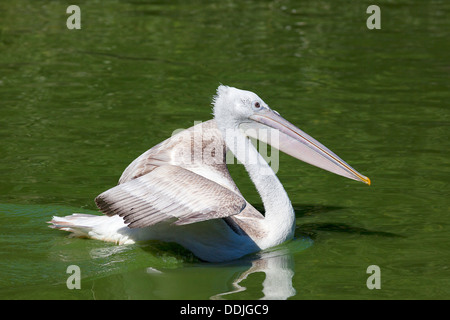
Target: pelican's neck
<point>279,219</point>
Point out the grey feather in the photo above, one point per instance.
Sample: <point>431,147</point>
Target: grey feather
<point>169,192</point>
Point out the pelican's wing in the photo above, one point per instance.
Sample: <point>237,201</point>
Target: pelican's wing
<point>157,156</point>
<point>179,150</point>
<point>169,192</point>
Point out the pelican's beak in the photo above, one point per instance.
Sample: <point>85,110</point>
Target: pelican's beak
<point>295,142</point>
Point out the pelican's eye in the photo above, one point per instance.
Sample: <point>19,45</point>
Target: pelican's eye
<point>257,105</point>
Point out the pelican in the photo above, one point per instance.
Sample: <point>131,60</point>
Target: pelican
<point>181,190</point>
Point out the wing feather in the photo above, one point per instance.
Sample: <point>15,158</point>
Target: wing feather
<point>169,193</point>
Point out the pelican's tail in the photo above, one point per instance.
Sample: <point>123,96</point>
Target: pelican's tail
<point>111,229</point>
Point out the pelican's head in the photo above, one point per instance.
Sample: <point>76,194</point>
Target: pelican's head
<point>235,108</point>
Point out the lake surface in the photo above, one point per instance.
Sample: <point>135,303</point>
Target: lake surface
<point>77,106</point>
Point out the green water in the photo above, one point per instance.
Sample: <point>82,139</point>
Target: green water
<point>77,106</point>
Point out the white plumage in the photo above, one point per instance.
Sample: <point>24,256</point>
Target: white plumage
<point>181,191</point>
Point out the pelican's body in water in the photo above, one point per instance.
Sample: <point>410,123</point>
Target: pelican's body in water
<point>181,191</point>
